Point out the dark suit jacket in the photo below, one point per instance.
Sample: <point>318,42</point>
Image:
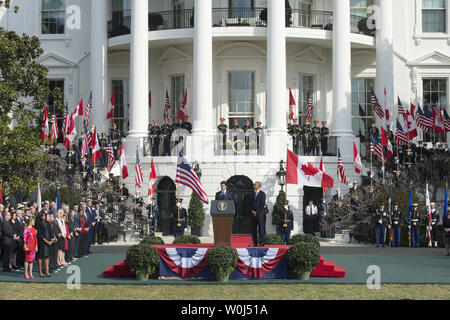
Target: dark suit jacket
<point>258,203</point>
<point>7,233</point>
<point>228,195</point>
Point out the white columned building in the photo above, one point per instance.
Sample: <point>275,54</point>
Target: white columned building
<point>99,63</point>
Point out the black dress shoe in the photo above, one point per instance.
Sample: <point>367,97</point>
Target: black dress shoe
<point>253,245</point>
<point>262,244</point>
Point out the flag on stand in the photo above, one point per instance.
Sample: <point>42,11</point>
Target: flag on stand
<point>139,174</point>
<point>321,167</point>
<point>423,122</point>
<point>182,111</point>
<point>167,105</point>
<point>86,141</point>
<point>356,159</point>
<point>301,172</point>
<point>110,155</point>
<point>444,215</point>
<point>123,163</point>
<point>151,180</point>
<point>54,127</point>
<point>411,128</point>
<point>310,108</point>
<point>445,119</point>
<point>65,121</point>
<point>79,109</point>
<point>39,198</point>
<point>291,105</point>
<point>96,152</point>
<point>386,143</point>
<point>150,100</point>
<point>110,113</point>
<point>376,105</point>
<point>342,176</point>
<point>387,107</point>
<point>71,131</point>
<point>376,148</point>
<point>400,136</point>
<point>89,107</point>
<point>44,127</point>
<point>437,123</point>
<point>401,109</point>
<point>187,177</point>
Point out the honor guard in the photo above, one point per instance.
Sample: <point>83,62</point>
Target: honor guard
<point>415,226</point>
<point>435,218</point>
<point>324,136</point>
<point>153,212</point>
<point>381,219</point>
<point>259,132</point>
<point>115,137</point>
<point>287,223</point>
<point>396,220</point>
<point>180,216</point>
<point>154,135</point>
<point>166,134</point>
<point>247,127</point>
<point>235,125</point>
<point>316,132</point>
<point>374,131</point>
<point>294,131</point>
<point>186,124</point>
<point>222,130</point>
<point>103,143</point>
<point>306,138</point>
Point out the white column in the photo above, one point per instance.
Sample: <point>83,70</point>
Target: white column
<point>385,53</point>
<point>342,78</point>
<point>139,65</point>
<point>99,63</point>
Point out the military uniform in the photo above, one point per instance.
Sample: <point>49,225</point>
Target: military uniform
<point>306,132</point>
<point>166,134</point>
<point>324,135</point>
<point>435,218</point>
<point>246,128</point>
<point>222,130</point>
<point>381,219</point>
<point>176,126</point>
<point>116,138</point>
<point>294,131</point>
<point>315,139</point>
<point>180,220</point>
<point>235,127</point>
<point>415,228</point>
<point>154,136</point>
<point>287,225</point>
<point>396,220</point>
<point>259,132</point>
<point>186,125</point>
<point>103,143</point>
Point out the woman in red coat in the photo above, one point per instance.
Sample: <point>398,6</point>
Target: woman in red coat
<point>30,246</point>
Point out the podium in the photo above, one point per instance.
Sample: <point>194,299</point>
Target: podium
<point>222,212</point>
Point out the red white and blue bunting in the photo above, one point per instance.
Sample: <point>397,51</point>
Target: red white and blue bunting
<point>184,262</point>
<point>257,262</point>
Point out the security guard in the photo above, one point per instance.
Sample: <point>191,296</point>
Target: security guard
<point>306,138</point>
<point>186,124</point>
<point>287,223</point>
<point>324,136</point>
<point>180,217</point>
<point>116,138</point>
<point>415,227</point>
<point>294,131</point>
<point>315,139</point>
<point>103,143</point>
<point>166,134</point>
<point>222,129</point>
<point>435,218</point>
<point>154,135</point>
<point>381,219</point>
<point>395,221</point>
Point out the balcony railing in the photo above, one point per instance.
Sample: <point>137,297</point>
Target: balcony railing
<point>232,17</point>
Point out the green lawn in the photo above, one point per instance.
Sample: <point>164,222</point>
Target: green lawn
<point>22,291</point>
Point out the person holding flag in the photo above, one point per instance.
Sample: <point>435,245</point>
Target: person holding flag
<point>292,105</point>
<point>54,128</point>
<point>396,220</point>
<point>414,219</point>
<point>427,216</point>
<point>433,223</point>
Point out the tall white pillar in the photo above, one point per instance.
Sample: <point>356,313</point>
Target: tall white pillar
<point>277,94</point>
<point>342,78</point>
<point>99,63</point>
<point>139,65</point>
<point>385,53</point>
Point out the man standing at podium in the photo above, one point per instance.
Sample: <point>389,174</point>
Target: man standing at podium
<point>257,215</point>
<point>224,194</point>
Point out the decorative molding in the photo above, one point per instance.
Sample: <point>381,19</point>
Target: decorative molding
<point>234,45</point>
<point>172,55</point>
<point>310,54</point>
<point>53,60</point>
<point>432,59</point>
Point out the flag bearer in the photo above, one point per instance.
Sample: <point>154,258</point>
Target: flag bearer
<point>166,134</point>
<point>287,223</point>
<point>381,219</point>
<point>154,134</point>
<point>396,218</point>
<point>180,216</point>
<point>324,135</point>
<point>415,227</point>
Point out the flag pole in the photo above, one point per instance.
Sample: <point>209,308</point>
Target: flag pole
<point>178,197</point>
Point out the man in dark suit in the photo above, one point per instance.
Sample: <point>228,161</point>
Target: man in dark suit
<point>90,217</point>
<point>98,227</point>
<point>257,215</point>
<point>224,193</point>
<point>8,240</point>
<point>56,234</point>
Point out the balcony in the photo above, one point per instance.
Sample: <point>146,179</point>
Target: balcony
<point>226,17</point>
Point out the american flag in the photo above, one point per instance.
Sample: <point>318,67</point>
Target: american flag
<point>66,120</point>
<point>401,109</point>
<point>377,148</point>
<point>54,127</point>
<point>89,106</point>
<point>446,119</point>
<point>86,141</point>
<point>139,174</point>
<point>342,176</point>
<point>167,105</point>
<point>110,155</point>
<point>187,177</point>
<point>424,121</point>
<point>400,135</point>
<point>310,107</point>
<point>376,105</point>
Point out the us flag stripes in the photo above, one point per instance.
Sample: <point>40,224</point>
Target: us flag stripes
<point>446,119</point>
<point>376,105</point>
<point>86,141</point>
<point>310,107</point>
<point>54,127</point>
<point>167,105</point>
<point>424,121</point>
<point>187,177</point>
<point>88,110</point>
<point>139,174</point>
<point>110,155</point>
<point>401,109</point>
<point>400,135</point>
<point>377,148</point>
<point>342,176</point>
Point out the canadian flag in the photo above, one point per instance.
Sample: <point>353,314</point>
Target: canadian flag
<point>356,159</point>
<point>71,131</point>
<point>386,143</point>
<point>291,105</point>
<point>111,107</point>
<point>301,172</point>
<point>45,128</point>
<point>79,109</point>
<point>437,123</point>
<point>387,106</point>
<point>323,170</point>
<point>123,163</point>
<point>411,126</point>
<point>151,180</point>
<point>96,153</point>
<point>182,112</point>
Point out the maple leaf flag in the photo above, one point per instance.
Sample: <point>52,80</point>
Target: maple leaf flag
<point>321,168</point>
<point>386,143</point>
<point>356,159</point>
<point>110,113</point>
<point>438,124</point>
<point>96,152</point>
<point>182,111</point>
<point>152,179</point>
<point>123,163</point>
<point>299,171</point>
<point>44,127</point>
<point>291,105</point>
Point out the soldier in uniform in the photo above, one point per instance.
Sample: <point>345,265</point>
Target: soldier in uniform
<point>222,129</point>
<point>247,127</point>
<point>154,135</point>
<point>235,125</point>
<point>176,125</point>
<point>415,227</point>
<point>395,221</point>
<point>180,217</point>
<point>306,138</point>
<point>381,219</point>
<point>153,212</point>
<point>315,140</point>
<point>259,132</point>
<point>324,135</point>
<point>166,134</point>
<point>294,131</point>
<point>435,218</point>
<point>186,124</point>
<point>115,137</point>
<point>103,143</point>
<point>374,131</point>
<point>287,223</point>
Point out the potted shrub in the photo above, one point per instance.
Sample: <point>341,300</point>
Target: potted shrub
<point>273,240</point>
<point>142,259</point>
<point>152,240</point>
<point>303,258</point>
<point>299,238</point>
<point>196,215</point>
<point>222,262</point>
<point>186,239</point>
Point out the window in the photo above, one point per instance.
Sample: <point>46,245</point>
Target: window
<point>121,13</point>
<point>362,117</point>
<point>434,97</point>
<point>52,85</point>
<point>305,85</point>
<point>177,93</point>
<point>240,8</point>
<point>434,16</point>
<point>241,97</point>
<point>359,7</point>
<point>53,14</point>
<point>122,104</point>
<point>304,16</point>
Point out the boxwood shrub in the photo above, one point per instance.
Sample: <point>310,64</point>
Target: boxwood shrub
<point>298,238</point>
<point>187,239</point>
<point>143,257</point>
<point>152,240</point>
<point>303,257</point>
<point>222,260</point>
